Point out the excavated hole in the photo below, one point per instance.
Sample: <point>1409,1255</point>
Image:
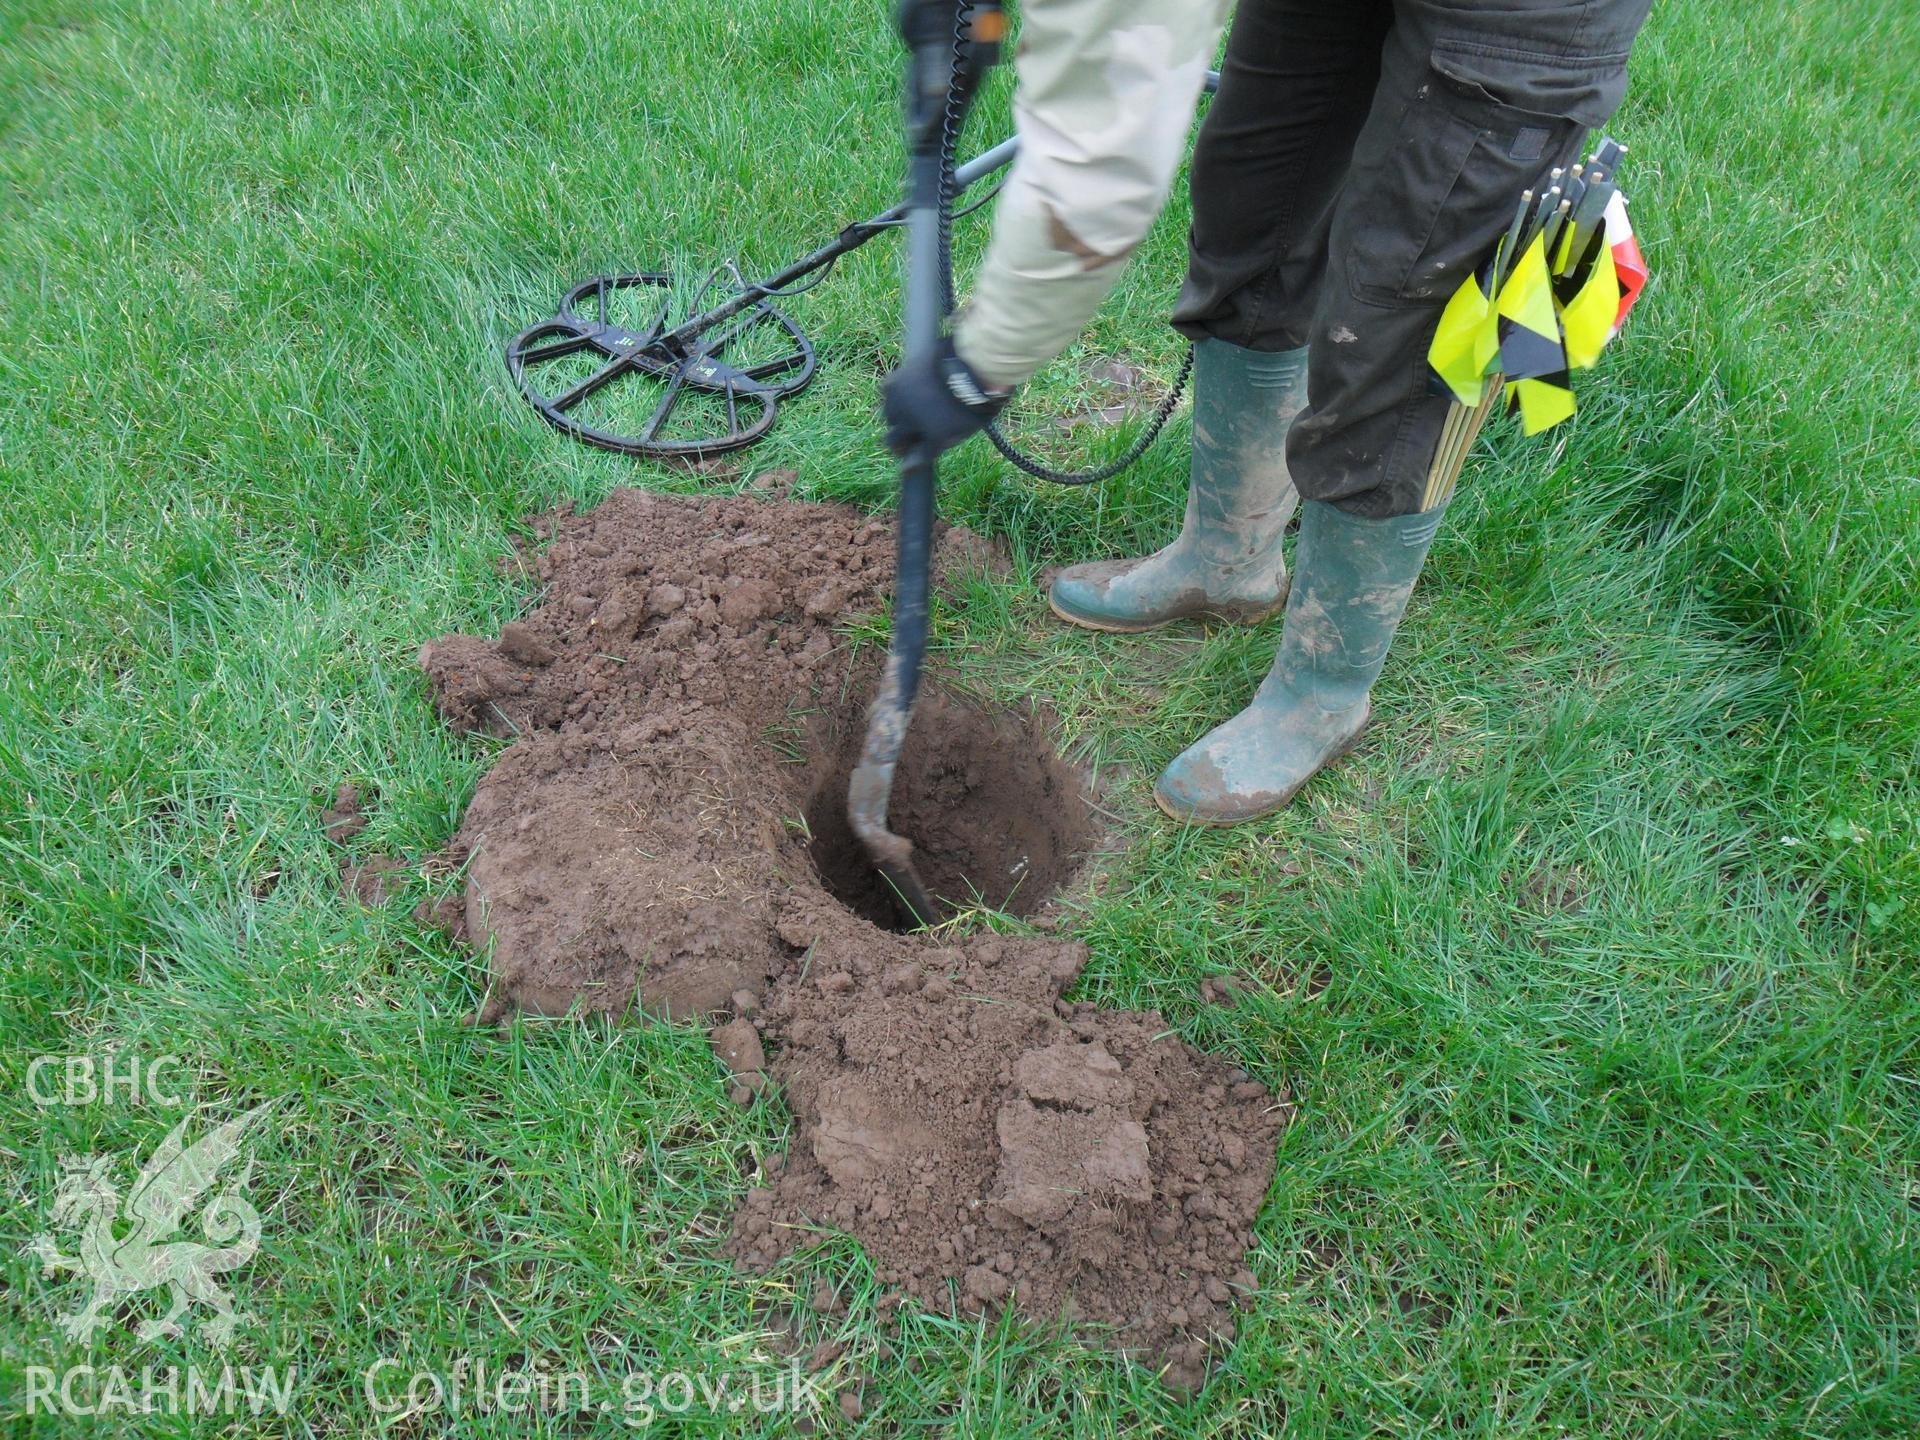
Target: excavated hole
<point>996,816</point>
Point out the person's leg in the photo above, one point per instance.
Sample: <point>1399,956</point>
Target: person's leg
<point>1296,87</point>
<point>1272,150</point>
<point>1475,102</point>
<point>1226,561</point>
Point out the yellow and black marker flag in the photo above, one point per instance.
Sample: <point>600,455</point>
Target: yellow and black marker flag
<point>1587,315</point>
<point>1545,305</point>
<point>1532,355</point>
<point>1467,342</point>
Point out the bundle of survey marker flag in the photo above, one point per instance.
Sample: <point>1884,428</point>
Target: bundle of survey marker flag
<point>1555,291</point>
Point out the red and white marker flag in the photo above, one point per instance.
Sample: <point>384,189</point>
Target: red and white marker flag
<point>1629,265</point>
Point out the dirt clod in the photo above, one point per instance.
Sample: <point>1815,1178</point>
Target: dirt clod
<point>375,880</point>
<point>371,879</point>
<point>1221,990</point>
<point>661,833</point>
<point>737,1044</point>
<point>344,818</point>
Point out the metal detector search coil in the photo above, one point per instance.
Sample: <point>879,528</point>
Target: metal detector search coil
<point>707,357</point>
<point>675,381</point>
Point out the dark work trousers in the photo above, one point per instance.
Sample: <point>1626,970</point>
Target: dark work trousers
<point>1361,158</point>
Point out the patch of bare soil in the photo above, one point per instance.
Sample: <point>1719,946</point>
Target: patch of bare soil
<point>665,832</point>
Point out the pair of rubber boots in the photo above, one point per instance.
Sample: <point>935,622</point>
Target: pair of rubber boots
<point>1354,578</point>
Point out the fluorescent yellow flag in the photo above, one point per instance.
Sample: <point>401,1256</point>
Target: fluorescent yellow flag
<point>1466,342</point>
<point>1543,404</point>
<point>1589,316</point>
<point>1531,344</point>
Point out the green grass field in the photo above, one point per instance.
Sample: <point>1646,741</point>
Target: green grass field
<point>1593,970</point>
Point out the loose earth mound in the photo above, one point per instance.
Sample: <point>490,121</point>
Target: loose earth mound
<point>665,832</point>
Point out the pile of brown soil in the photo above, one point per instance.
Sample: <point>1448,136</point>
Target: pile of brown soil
<point>666,832</point>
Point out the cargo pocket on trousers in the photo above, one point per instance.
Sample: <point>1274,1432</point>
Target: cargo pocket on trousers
<point>1584,90</point>
<point>1486,126</point>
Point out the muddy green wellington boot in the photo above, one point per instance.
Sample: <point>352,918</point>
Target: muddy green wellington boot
<point>1227,559</point>
<point>1352,580</point>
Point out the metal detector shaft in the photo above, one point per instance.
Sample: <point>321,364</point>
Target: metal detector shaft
<point>870,790</point>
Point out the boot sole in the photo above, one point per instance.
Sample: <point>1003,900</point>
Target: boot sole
<point>1339,751</point>
<point>1117,627</point>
